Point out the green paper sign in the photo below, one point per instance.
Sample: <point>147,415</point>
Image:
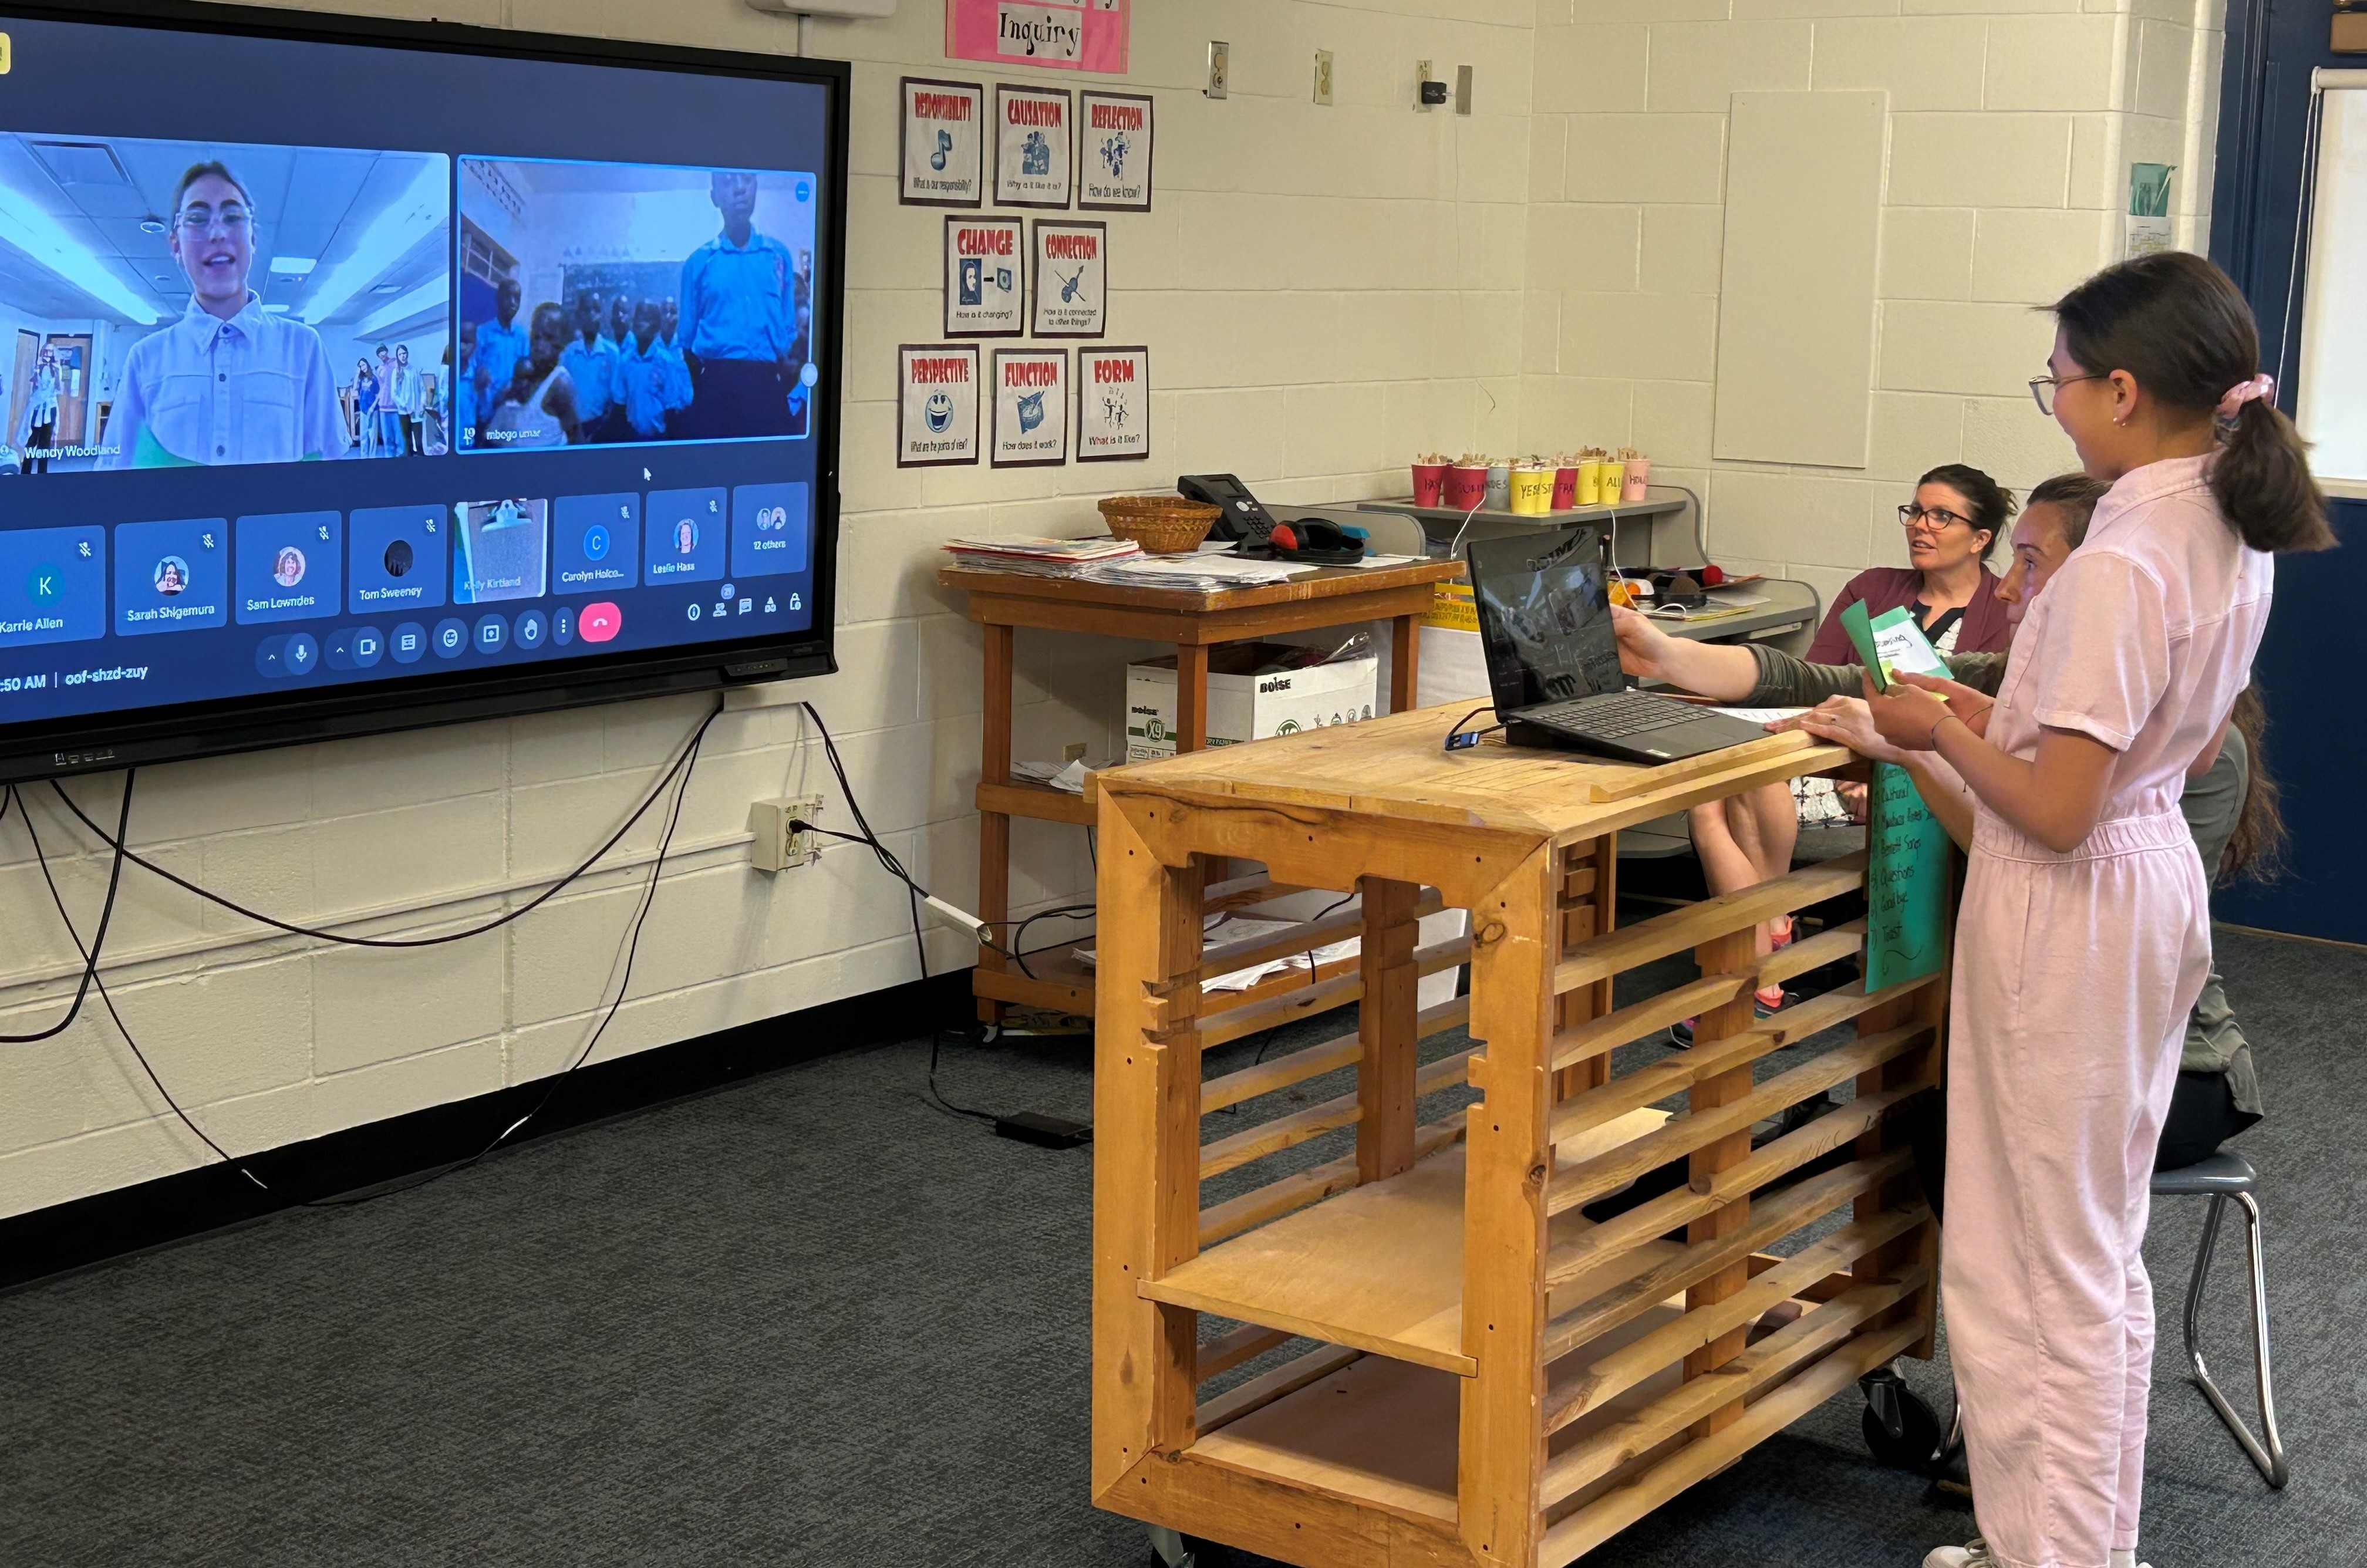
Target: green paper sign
<point>1905,882</point>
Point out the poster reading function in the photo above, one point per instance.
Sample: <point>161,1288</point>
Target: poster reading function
<point>1031,407</point>
<point>1065,35</point>
<point>936,404</point>
<point>1031,163</point>
<point>942,135</point>
<point>985,261</point>
<point>1071,281</point>
<point>1114,132</point>
<point>1112,404</point>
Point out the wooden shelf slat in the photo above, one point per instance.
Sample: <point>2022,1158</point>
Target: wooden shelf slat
<point>1037,802</point>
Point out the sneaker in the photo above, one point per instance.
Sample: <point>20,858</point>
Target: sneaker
<point>1974,1554</point>
<point>1765,1003</point>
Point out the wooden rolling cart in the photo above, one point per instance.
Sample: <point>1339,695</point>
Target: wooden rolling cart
<point>1004,601</point>
<point>1496,1379</point>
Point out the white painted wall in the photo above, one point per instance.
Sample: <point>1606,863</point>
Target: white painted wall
<point>1324,291</point>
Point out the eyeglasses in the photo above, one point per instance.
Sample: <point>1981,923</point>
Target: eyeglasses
<point>2043,388</point>
<point>1929,520</point>
<point>200,219</point>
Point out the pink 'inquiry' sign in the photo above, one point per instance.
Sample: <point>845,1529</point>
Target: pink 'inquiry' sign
<point>1089,34</point>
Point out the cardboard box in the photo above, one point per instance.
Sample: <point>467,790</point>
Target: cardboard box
<point>1246,707</point>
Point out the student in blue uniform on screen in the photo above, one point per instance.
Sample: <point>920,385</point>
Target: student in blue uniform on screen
<point>538,409</point>
<point>652,383</point>
<point>590,361</point>
<point>739,323</point>
<point>501,344</point>
<point>226,383</point>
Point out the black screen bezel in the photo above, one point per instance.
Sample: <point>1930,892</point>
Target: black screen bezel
<point>92,742</point>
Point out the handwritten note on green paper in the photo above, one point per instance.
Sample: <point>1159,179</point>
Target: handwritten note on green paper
<point>1905,882</point>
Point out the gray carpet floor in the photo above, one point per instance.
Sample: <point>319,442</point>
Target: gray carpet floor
<point>808,1320</point>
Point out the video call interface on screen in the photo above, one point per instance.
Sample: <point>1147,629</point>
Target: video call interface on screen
<point>520,368</point>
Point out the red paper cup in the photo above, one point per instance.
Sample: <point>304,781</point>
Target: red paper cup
<point>1465,487</point>
<point>1565,493</point>
<point>1429,484</point>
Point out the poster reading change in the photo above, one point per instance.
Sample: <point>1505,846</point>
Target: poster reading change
<point>1031,407</point>
<point>943,140</point>
<point>985,260</point>
<point>937,409</point>
<point>1114,153</point>
<point>1032,145</point>
<point>1112,404</point>
<point>1072,283</point>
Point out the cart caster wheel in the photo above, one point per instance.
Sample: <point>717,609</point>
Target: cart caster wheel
<point>1901,1431</point>
<point>989,1033</point>
<point>1171,1550</point>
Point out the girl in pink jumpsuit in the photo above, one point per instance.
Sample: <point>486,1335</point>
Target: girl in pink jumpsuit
<point>2084,936</point>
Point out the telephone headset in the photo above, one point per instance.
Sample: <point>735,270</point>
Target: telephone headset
<point>1242,517</point>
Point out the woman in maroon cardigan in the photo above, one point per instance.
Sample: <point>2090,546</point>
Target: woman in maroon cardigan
<point>1957,520</point>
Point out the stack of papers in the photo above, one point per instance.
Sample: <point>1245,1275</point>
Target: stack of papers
<point>1200,574</point>
<point>1071,777</point>
<point>1041,557</point>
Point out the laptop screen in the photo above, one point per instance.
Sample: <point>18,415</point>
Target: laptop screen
<point>1545,622</point>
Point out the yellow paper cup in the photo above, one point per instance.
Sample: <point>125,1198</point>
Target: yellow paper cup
<point>1590,483</point>
<point>1533,491</point>
<point>1614,474</point>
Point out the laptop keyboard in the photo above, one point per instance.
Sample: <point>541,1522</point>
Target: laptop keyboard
<point>1614,714</point>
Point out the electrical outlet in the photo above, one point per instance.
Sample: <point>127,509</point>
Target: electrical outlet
<point>1323,77</point>
<point>1220,69</point>
<point>778,844</point>
<point>1463,89</point>
<point>1422,78</point>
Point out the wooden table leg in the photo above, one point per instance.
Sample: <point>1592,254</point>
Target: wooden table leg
<point>1405,663</point>
<point>994,827</point>
<point>1385,1080</point>
<point>1515,944</point>
<point>1191,697</point>
<point>1734,953</point>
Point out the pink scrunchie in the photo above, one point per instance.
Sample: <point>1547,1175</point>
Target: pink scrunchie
<point>2242,393</point>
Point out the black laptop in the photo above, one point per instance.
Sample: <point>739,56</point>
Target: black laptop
<point>1553,658</point>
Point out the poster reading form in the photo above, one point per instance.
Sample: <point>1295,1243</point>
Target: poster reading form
<point>1114,132</point>
<point>984,263</point>
<point>942,133</point>
<point>1031,407</point>
<point>936,404</point>
<point>1031,163</point>
<point>1112,404</point>
<point>1071,282</point>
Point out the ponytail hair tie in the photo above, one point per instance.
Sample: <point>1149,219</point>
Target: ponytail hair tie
<point>2232,403</point>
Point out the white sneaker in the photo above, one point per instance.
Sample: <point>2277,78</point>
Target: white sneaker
<point>1974,1554</point>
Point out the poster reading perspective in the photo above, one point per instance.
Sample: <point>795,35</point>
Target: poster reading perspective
<point>937,409</point>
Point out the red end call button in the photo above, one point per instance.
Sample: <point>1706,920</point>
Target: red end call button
<point>600,622</point>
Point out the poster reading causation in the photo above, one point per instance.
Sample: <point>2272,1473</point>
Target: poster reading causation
<point>1114,151</point>
<point>1031,140</point>
<point>936,407</point>
<point>1071,282</point>
<point>1112,404</point>
<point>984,264</point>
<point>1065,35</point>
<point>943,134</point>
<point>1031,407</point>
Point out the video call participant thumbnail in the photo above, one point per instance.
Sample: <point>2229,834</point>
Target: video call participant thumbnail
<point>172,577</point>
<point>741,324</point>
<point>227,383</point>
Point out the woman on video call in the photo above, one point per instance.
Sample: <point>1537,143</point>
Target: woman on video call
<point>228,383</point>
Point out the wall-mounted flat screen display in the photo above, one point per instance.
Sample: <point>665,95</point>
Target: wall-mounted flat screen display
<point>360,376</point>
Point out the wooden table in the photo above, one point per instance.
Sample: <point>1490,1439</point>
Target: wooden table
<point>1498,1379</point>
<point>1004,601</point>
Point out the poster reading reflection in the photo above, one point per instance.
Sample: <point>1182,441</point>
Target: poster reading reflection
<point>1112,404</point>
<point>277,304</point>
<point>617,304</point>
<point>1114,148</point>
<point>936,406</point>
<point>1031,407</point>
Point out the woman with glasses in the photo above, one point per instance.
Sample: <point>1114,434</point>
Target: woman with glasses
<point>2083,940</point>
<point>228,383</point>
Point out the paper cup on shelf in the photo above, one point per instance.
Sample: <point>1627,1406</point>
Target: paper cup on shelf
<point>1465,487</point>
<point>1615,475</point>
<point>1639,475</point>
<point>1565,490</point>
<point>1590,483</point>
<point>1429,484</point>
<point>1500,487</point>
<point>1531,494</point>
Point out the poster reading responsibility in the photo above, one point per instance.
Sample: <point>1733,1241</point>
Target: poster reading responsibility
<point>1032,166</point>
<point>943,137</point>
<point>1031,407</point>
<point>984,264</point>
<point>1063,35</point>
<point>1112,404</point>
<point>1071,282</point>
<point>936,406</point>
<point>1114,151</point>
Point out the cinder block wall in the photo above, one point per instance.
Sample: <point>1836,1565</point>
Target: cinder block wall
<point>2012,124</point>
<point>1323,290</point>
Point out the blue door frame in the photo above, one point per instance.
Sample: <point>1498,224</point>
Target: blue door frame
<point>2313,658</point>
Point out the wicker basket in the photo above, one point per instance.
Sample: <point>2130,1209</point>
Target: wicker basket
<point>1164,525</point>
